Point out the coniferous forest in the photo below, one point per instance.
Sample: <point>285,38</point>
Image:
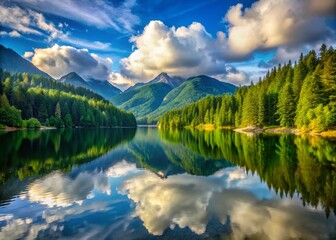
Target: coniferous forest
<point>296,95</point>
<point>28,100</point>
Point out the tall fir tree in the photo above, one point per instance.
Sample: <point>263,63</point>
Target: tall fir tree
<point>286,106</point>
<point>310,98</point>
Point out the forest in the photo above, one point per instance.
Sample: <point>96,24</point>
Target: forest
<point>29,101</point>
<point>300,95</point>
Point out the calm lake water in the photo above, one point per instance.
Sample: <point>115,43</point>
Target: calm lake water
<point>177,184</point>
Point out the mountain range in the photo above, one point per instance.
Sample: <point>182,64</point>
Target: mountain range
<point>14,63</point>
<point>148,101</point>
<point>162,77</point>
<point>102,87</point>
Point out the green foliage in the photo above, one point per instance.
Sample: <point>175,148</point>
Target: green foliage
<point>150,101</point>
<point>55,104</point>
<point>58,112</point>
<point>288,164</point>
<point>302,96</point>
<point>68,121</point>
<point>310,98</point>
<point>33,123</point>
<point>286,106</point>
<point>189,92</point>
<point>55,150</point>
<point>144,100</point>
<point>9,115</point>
<point>203,112</point>
<point>55,122</point>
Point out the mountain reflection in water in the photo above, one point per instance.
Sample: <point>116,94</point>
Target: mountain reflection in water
<point>182,184</point>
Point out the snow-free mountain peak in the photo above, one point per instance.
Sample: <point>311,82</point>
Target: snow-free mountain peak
<point>165,78</point>
<point>74,79</point>
<point>14,63</point>
<point>102,87</point>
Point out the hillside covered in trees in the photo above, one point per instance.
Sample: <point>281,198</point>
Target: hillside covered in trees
<point>301,95</point>
<point>27,100</point>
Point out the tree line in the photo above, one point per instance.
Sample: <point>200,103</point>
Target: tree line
<point>301,95</point>
<point>28,100</point>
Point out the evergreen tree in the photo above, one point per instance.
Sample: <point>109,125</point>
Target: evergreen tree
<point>250,109</point>
<point>329,78</point>
<point>68,121</point>
<point>304,94</point>
<point>58,112</point>
<point>310,98</point>
<point>286,107</point>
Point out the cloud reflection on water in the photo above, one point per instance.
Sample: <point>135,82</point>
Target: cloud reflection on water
<point>192,201</point>
<point>230,195</point>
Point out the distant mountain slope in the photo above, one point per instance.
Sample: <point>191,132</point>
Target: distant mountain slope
<point>14,63</point>
<point>137,85</point>
<point>74,79</point>
<point>35,96</point>
<point>190,91</point>
<point>102,87</point>
<point>162,77</point>
<point>142,100</point>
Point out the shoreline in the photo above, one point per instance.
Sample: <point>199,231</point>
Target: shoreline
<point>284,130</point>
<point>251,130</point>
<point>11,129</point>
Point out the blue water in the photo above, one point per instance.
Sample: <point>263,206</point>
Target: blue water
<point>142,189</point>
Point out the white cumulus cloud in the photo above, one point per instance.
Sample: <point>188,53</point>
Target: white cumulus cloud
<point>60,60</point>
<point>28,54</point>
<point>190,50</point>
<point>272,23</point>
<point>183,51</point>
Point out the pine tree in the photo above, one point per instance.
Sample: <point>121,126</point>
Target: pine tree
<point>300,72</point>
<point>261,108</point>
<point>310,98</point>
<point>58,112</point>
<point>42,114</point>
<point>286,106</point>
<point>207,117</point>
<point>329,78</point>
<point>250,109</point>
<point>68,121</point>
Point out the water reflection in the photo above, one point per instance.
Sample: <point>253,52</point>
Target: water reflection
<point>235,199</point>
<point>230,196</point>
<point>185,184</point>
<point>287,163</point>
<point>59,190</point>
<point>165,158</point>
<point>28,154</point>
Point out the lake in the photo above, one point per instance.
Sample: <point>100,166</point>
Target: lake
<point>147,183</point>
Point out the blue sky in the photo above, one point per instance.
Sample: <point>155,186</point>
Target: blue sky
<point>129,41</point>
